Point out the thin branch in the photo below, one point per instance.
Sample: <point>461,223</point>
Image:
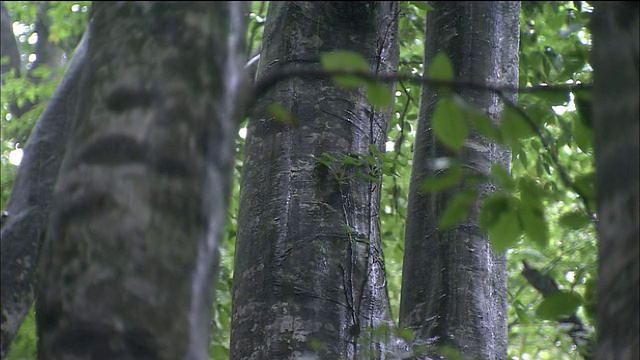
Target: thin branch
<point>269,80</point>
<point>547,287</point>
<point>554,158</point>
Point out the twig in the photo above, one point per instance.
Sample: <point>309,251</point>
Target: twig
<point>547,287</point>
<point>268,80</point>
<point>263,84</point>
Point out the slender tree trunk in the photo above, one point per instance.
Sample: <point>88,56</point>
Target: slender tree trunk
<point>309,276</point>
<point>126,267</point>
<point>453,285</point>
<point>27,209</point>
<point>615,57</point>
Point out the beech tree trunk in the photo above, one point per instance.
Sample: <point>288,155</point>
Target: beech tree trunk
<point>309,275</point>
<point>616,117</point>
<point>126,268</point>
<point>453,284</point>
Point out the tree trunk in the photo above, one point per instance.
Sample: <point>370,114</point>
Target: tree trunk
<point>453,285</point>
<point>309,276</point>
<point>126,268</point>
<point>27,209</point>
<point>615,123</point>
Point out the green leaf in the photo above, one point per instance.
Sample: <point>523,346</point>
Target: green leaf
<point>448,352</point>
<point>558,305</point>
<point>521,312</point>
<point>348,81</point>
<point>531,194</point>
<point>345,60</point>
<point>325,159</point>
<point>554,97</point>
<point>449,124</point>
<point>541,113</point>
<point>492,206</point>
<point>422,5</point>
<point>442,179</point>
<point>404,333</point>
<point>374,151</point>
<point>583,106</point>
<point>585,183</point>
<point>280,114</point>
<point>378,94</point>
<point>482,123</point>
<point>368,177</point>
<point>505,232</point>
<point>582,136</point>
<point>369,159</point>
<point>501,177</point>
<point>363,240</point>
<point>440,69</point>
<point>477,117</point>
<point>513,126</point>
<point>498,216</point>
<point>350,160</point>
<point>218,351</point>
<point>534,225</point>
<point>574,220</point>
<point>456,210</point>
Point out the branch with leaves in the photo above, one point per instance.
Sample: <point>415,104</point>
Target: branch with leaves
<point>350,70</point>
<point>561,306</point>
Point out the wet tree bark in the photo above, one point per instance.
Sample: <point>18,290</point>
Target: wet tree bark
<point>126,267</point>
<point>309,276</point>
<point>453,284</point>
<point>615,62</point>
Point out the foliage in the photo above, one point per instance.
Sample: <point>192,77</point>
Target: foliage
<point>37,79</point>
<point>537,214</point>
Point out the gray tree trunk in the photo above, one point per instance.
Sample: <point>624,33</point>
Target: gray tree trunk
<point>453,285</point>
<point>126,267</point>
<point>28,206</point>
<point>615,57</point>
<point>309,276</point>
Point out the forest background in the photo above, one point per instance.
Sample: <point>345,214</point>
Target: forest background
<point>555,42</point>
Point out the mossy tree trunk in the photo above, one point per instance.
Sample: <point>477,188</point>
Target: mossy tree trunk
<point>453,284</point>
<point>308,274</point>
<point>140,201</point>
<point>616,117</point>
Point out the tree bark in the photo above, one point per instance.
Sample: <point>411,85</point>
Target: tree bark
<point>126,267</point>
<point>29,203</point>
<point>453,284</point>
<point>615,55</point>
<point>309,275</point>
